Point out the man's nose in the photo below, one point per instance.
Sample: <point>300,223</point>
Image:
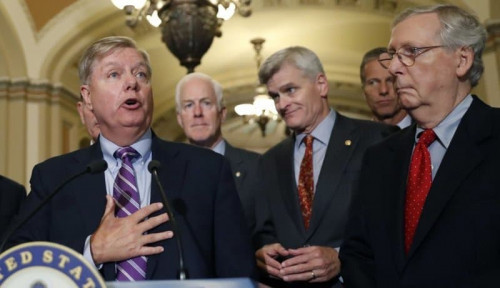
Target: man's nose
<point>131,82</point>
<point>384,88</point>
<point>281,102</point>
<point>395,66</point>
<point>198,111</point>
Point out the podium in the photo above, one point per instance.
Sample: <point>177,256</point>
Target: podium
<point>45,264</point>
<point>199,283</point>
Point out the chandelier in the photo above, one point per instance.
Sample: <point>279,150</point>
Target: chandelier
<point>263,109</point>
<point>188,26</point>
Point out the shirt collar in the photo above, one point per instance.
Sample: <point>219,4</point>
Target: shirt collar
<point>405,122</point>
<point>446,128</point>
<point>322,132</point>
<point>220,147</point>
<point>143,146</point>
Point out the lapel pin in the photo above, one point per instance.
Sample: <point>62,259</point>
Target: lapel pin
<point>238,174</point>
<point>347,142</point>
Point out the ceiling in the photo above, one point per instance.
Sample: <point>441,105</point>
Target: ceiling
<point>46,41</point>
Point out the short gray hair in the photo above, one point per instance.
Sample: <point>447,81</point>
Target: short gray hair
<point>197,75</point>
<point>459,28</point>
<point>300,57</point>
<point>102,48</point>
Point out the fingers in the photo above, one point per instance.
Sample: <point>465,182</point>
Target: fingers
<point>144,212</point>
<point>110,206</point>
<point>155,237</point>
<point>152,238</point>
<point>152,222</point>
<point>123,238</point>
<point>321,262</point>
<point>266,258</point>
<point>307,276</point>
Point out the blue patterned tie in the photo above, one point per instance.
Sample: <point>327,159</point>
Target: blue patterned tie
<point>127,199</point>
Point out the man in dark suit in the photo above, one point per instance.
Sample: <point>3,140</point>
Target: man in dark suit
<point>441,230</point>
<point>200,112</point>
<point>116,87</point>
<point>12,194</point>
<point>298,245</point>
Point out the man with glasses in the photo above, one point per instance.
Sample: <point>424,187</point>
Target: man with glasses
<point>428,207</point>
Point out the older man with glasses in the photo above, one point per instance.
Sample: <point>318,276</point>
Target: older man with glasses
<point>427,210</point>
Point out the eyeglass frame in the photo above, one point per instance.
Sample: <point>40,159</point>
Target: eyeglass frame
<point>416,51</point>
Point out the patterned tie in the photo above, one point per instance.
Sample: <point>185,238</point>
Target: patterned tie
<point>306,182</point>
<point>418,185</point>
<point>127,199</point>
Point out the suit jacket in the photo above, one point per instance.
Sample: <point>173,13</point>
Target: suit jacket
<point>244,168</point>
<point>457,241</point>
<point>279,214</point>
<point>12,194</point>
<point>216,242</point>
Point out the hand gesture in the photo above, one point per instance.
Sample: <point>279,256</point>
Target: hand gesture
<point>312,264</point>
<point>118,239</point>
<point>267,258</point>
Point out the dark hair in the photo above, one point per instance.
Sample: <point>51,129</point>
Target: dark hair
<point>369,56</point>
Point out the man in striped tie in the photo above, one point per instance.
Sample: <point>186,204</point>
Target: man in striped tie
<point>116,219</point>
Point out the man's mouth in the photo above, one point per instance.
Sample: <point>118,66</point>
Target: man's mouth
<point>131,103</point>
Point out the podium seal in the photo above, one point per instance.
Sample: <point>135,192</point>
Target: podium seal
<point>47,265</point>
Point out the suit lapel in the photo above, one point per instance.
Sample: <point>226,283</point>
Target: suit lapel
<point>287,184</point>
<point>399,161</point>
<point>235,160</point>
<point>172,176</point>
<point>461,158</point>
<point>93,188</point>
<point>336,159</point>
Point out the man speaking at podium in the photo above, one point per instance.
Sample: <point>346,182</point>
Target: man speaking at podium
<point>116,219</point>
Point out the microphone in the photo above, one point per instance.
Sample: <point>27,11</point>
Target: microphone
<point>94,167</point>
<point>153,167</point>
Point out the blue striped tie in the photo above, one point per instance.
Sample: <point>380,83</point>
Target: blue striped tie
<point>127,200</point>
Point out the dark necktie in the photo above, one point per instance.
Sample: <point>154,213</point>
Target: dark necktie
<point>418,185</point>
<point>306,182</point>
<point>127,199</point>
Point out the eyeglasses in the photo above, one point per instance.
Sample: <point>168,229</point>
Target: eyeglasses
<point>406,55</point>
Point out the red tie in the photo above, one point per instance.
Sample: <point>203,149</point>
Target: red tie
<point>306,182</point>
<point>419,183</point>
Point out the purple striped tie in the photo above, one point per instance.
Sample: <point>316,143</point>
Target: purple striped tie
<point>127,199</point>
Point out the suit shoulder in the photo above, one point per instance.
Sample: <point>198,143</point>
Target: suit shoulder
<point>279,148</point>
<point>246,153</point>
<point>370,130</point>
<point>61,160</point>
<point>9,184</point>
<point>191,151</point>
<point>369,125</point>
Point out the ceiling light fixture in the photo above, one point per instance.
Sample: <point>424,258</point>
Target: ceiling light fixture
<point>188,26</point>
<point>263,109</point>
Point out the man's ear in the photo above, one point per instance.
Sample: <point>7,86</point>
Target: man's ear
<point>223,112</point>
<point>85,92</point>
<point>79,107</point>
<point>465,60</point>
<point>179,120</point>
<point>322,84</point>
